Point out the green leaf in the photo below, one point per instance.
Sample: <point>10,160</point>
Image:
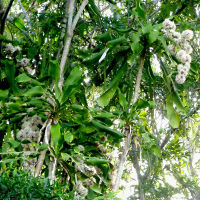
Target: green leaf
<point>43,147</point>
<point>111,89</point>
<point>153,36</point>
<point>68,137</point>
<point>23,78</point>
<point>13,143</point>
<point>100,126</point>
<point>177,101</point>
<point>19,23</point>
<point>72,81</point>
<point>106,97</point>
<point>87,129</point>
<point>113,43</point>
<point>96,161</point>
<point>94,57</point>
<point>140,11</point>
<point>156,151</point>
<point>54,70</point>
<point>169,106</point>
<point>111,1</point>
<point>10,70</point>
<point>96,188</point>
<point>95,8</point>
<point>135,45</point>
<point>152,104</point>
<point>65,156</point>
<point>103,37</point>
<point>34,91</point>
<point>122,99</point>
<point>172,115</point>
<point>4,94</point>
<point>78,108</point>
<point>146,138</point>
<point>32,52</point>
<point>56,136</point>
<point>73,78</point>
<point>147,28</point>
<point>164,44</point>
<point>15,106</point>
<point>175,120</point>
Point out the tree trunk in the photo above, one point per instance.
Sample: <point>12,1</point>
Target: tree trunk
<point>127,140</point>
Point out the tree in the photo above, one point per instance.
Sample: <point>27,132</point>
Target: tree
<point>52,118</point>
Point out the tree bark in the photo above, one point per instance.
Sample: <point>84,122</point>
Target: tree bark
<point>137,168</point>
<point>3,16</point>
<point>127,139</point>
<point>125,149</point>
<point>70,31</point>
<point>43,153</point>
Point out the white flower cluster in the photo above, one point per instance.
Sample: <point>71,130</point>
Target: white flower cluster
<point>29,164</point>
<point>81,190</point>
<point>85,169</point>
<point>24,62</point>
<point>181,49</point>
<point>81,147</point>
<point>89,181</point>
<point>30,130</point>
<point>81,187</point>
<point>11,49</point>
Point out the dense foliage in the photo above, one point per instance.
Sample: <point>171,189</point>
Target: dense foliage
<point>92,92</point>
<point>21,185</point>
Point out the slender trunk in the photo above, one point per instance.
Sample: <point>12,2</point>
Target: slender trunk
<point>70,31</point>
<point>137,168</point>
<point>63,31</point>
<point>3,17</point>
<point>127,139</point>
<point>43,153</point>
<point>52,169</point>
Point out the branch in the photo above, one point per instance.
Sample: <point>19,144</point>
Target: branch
<point>181,181</point>
<point>67,44</point>
<point>122,161</point>
<point>194,11</point>
<point>25,14</point>
<point>84,3</point>
<point>43,153</point>
<point>138,80</point>
<point>31,6</point>
<point>3,20</point>
<point>135,161</point>
<point>52,169</point>
<point>70,29</point>
<point>165,141</point>
<point>63,31</point>
<point>127,140</point>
